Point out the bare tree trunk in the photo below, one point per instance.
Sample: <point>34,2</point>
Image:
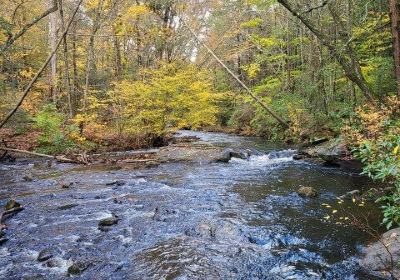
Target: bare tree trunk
<point>117,50</point>
<point>395,18</point>
<point>53,62</point>
<point>67,81</point>
<point>74,90</point>
<point>90,57</point>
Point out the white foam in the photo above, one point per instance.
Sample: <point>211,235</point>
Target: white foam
<point>273,158</point>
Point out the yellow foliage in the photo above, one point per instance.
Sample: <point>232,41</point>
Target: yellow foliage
<point>168,98</point>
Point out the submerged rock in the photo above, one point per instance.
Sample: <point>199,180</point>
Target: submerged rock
<point>382,257</point>
<point>217,230</point>
<point>45,255</point>
<point>307,192</point>
<point>164,215</point>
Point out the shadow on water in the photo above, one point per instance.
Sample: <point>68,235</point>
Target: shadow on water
<point>236,220</point>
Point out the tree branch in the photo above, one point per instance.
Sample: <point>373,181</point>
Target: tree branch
<point>244,86</point>
<point>27,26</point>
<point>34,79</point>
<point>316,8</point>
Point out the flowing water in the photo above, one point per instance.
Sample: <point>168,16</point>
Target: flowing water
<point>185,220</point>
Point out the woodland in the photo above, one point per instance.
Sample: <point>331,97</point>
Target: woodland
<point>80,76</point>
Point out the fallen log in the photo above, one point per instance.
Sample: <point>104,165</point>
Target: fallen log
<point>58,158</point>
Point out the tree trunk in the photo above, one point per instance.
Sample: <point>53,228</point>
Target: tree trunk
<point>395,18</point>
<point>41,70</point>
<point>12,38</point>
<point>117,50</point>
<point>90,48</point>
<point>74,90</point>
<point>53,62</point>
<point>67,81</point>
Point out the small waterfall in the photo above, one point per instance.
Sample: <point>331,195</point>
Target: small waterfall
<point>272,158</point>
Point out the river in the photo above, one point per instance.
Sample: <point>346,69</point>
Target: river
<point>185,220</point>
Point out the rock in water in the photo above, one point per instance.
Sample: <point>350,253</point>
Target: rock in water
<point>164,215</point>
<point>77,268</point>
<point>45,255</point>
<point>377,258</point>
<point>106,223</point>
<point>12,204</point>
<point>225,156</point>
<point>27,178</point>
<point>307,192</point>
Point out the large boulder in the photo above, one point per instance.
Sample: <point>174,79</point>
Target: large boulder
<point>228,154</point>
<point>331,153</point>
<point>382,257</point>
<point>200,152</point>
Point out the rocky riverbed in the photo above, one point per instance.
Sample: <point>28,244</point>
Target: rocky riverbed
<point>223,207</point>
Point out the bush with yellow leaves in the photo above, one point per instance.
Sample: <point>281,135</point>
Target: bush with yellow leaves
<point>376,135</point>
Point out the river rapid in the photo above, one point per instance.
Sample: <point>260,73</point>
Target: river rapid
<point>185,220</point>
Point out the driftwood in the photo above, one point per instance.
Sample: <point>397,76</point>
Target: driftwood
<point>84,159</point>
<point>150,160</point>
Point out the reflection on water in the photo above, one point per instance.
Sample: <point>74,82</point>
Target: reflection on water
<point>236,220</point>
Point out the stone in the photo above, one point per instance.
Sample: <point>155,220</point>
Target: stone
<point>45,255</point>
<point>225,156</point>
<point>164,215</point>
<point>217,230</point>
<point>298,157</point>
<point>333,154</point>
<point>53,263</point>
<point>27,178</point>
<point>151,164</point>
<point>105,224</point>
<point>66,185</point>
<point>11,204</point>
<point>68,206</point>
<point>117,183</point>
<point>378,260</point>
<point>240,154</point>
<point>351,194</point>
<point>307,192</point>
<point>78,267</point>
<point>3,240</point>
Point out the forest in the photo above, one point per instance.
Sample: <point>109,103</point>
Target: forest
<point>82,77</point>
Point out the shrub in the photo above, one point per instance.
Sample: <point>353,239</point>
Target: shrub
<point>376,134</point>
<point>53,139</point>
